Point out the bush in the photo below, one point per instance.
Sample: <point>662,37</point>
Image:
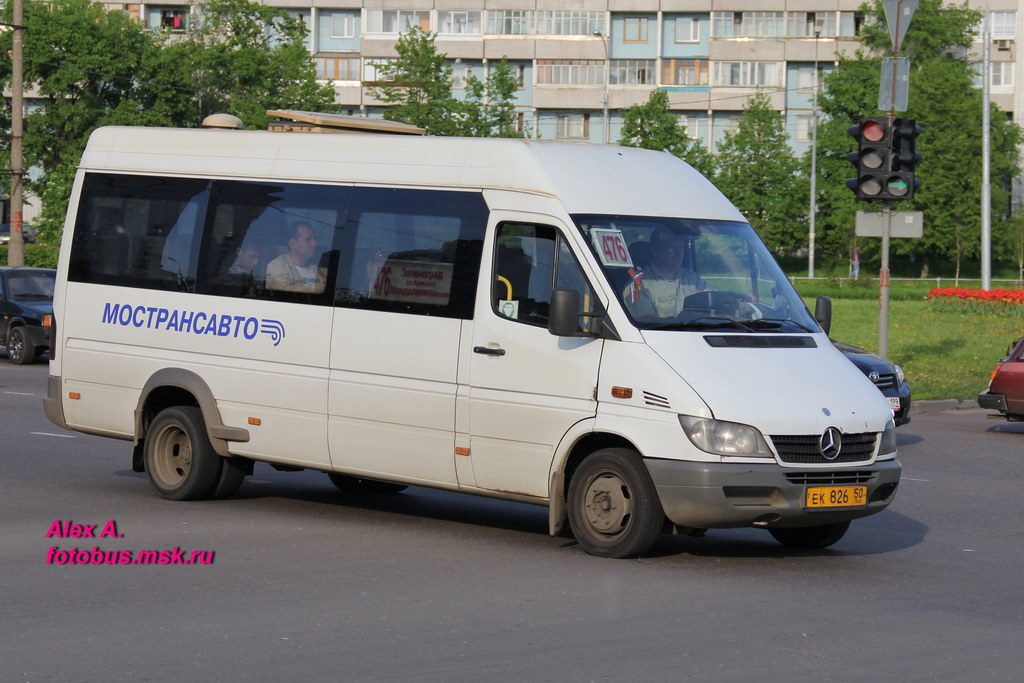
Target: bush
<point>862,288</point>
<point>36,255</point>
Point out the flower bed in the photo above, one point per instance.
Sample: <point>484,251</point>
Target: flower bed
<point>994,300</point>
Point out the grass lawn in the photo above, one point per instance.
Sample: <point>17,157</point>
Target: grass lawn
<point>944,353</point>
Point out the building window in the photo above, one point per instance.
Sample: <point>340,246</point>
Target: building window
<point>460,73</point>
<point>747,74</point>
<point>573,126</point>
<point>337,68</point>
<point>569,23</point>
<point>687,29</point>
<point>458,22</point>
<point>508,22</point>
<point>343,25</point>
<point>805,77</point>
<point>174,19</point>
<point>570,72</point>
<point>634,30</point>
<point>804,126</point>
<point>1002,74</point>
<point>811,23</point>
<point>632,72</point>
<point>691,125</point>
<point>684,72</point>
<point>521,75</point>
<point>396,20</point>
<point>1004,24</point>
<point>372,70</point>
<point>749,24</point>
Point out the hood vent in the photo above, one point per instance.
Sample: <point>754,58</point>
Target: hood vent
<point>746,341</point>
<point>655,400</point>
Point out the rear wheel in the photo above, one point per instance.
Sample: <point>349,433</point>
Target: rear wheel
<point>613,506</point>
<point>812,537</point>
<point>18,348</point>
<point>357,486</point>
<point>180,461</point>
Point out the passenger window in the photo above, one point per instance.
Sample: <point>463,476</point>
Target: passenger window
<point>273,240</point>
<point>413,251</point>
<point>138,231</point>
<point>529,262</point>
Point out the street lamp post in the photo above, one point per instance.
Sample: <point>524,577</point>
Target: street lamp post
<point>607,78</point>
<point>814,162</point>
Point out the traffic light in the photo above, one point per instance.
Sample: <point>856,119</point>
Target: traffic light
<point>871,158</point>
<point>904,159</point>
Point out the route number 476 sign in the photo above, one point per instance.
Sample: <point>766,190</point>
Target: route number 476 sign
<point>611,247</point>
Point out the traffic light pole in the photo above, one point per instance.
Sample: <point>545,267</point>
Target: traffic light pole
<point>883,284</point>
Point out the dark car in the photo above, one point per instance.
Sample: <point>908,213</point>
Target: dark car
<point>26,304</point>
<point>1006,387</point>
<point>27,233</point>
<point>887,376</point>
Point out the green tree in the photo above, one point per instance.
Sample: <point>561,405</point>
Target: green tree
<point>489,109</point>
<point>418,85</point>
<point>92,68</point>
<point>652,125</point>
<point>757,172</point>
<point>249,58</point>
<point>946,104</point>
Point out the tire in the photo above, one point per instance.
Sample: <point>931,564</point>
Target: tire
<point>358,486</point>
<point>180,461</point>
<point>232,474</point>
<point>812,537</point>
<point>613,506</point>
<point>19,351</point>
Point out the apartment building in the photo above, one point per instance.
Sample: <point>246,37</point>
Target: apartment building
<point>580,63</point>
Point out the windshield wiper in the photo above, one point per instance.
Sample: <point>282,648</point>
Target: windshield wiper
<point>709,322</point>
<point>777,322</point>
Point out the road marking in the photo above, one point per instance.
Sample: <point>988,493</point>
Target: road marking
<point>62,436</point>
<point>17,393</point>
<point>912,479</point>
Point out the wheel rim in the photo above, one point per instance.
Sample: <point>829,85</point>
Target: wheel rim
<point>172,456</point>
<point>16,345</point>
<point>607,503</point>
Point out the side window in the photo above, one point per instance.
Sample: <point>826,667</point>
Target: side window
<point>273,241</point>
<point>413,251</point>
<point>138,231</point>
<point>529,262</point>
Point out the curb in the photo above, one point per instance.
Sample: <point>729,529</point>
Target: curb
<point>942,404</point>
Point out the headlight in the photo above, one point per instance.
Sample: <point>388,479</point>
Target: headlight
<point>899,374</point>
<point>725,438</point>
<point>888,442</point>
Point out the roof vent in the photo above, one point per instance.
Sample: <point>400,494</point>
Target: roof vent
<point>222,121</point>
<point>294,121</point>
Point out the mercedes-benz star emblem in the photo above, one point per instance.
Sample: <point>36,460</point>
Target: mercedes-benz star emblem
<point>873,376</point>
<point>830,443</point>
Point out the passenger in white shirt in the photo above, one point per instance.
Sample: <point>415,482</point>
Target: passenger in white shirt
<point>297,271</point>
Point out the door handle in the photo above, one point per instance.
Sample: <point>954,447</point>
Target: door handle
<point>487,351</point>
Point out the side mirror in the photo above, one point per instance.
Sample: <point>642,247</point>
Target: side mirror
<point>823,313</point>
<point>563,314</point>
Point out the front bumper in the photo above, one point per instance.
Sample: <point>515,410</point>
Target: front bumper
<point>720,495</point>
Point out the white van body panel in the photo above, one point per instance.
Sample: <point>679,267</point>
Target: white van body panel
<point>778,390</point>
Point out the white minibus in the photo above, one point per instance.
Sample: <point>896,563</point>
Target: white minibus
<point>590,328</point>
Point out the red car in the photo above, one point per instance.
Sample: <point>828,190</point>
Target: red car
<point>1006,388</point>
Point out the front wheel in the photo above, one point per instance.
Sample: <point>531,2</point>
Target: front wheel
<point>613,506</point>
<point>180,461</point>
<point>812,537</point>
<point>357,486</point>
<point>18,348</point>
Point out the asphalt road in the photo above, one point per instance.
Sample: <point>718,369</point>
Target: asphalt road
<point>308,585</point>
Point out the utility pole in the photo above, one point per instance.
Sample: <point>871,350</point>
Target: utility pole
<point>16,246</point>
<point>986,143</point>
<point>607,79</point>
<point>814,162</point>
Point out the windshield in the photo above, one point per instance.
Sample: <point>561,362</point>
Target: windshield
<point>690,274</point>
<point>31,286</point>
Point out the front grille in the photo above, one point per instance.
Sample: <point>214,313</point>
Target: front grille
<point>885,381</point>
<point>745,341</point>
<point>825,478</point>
<point>805,449</point>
